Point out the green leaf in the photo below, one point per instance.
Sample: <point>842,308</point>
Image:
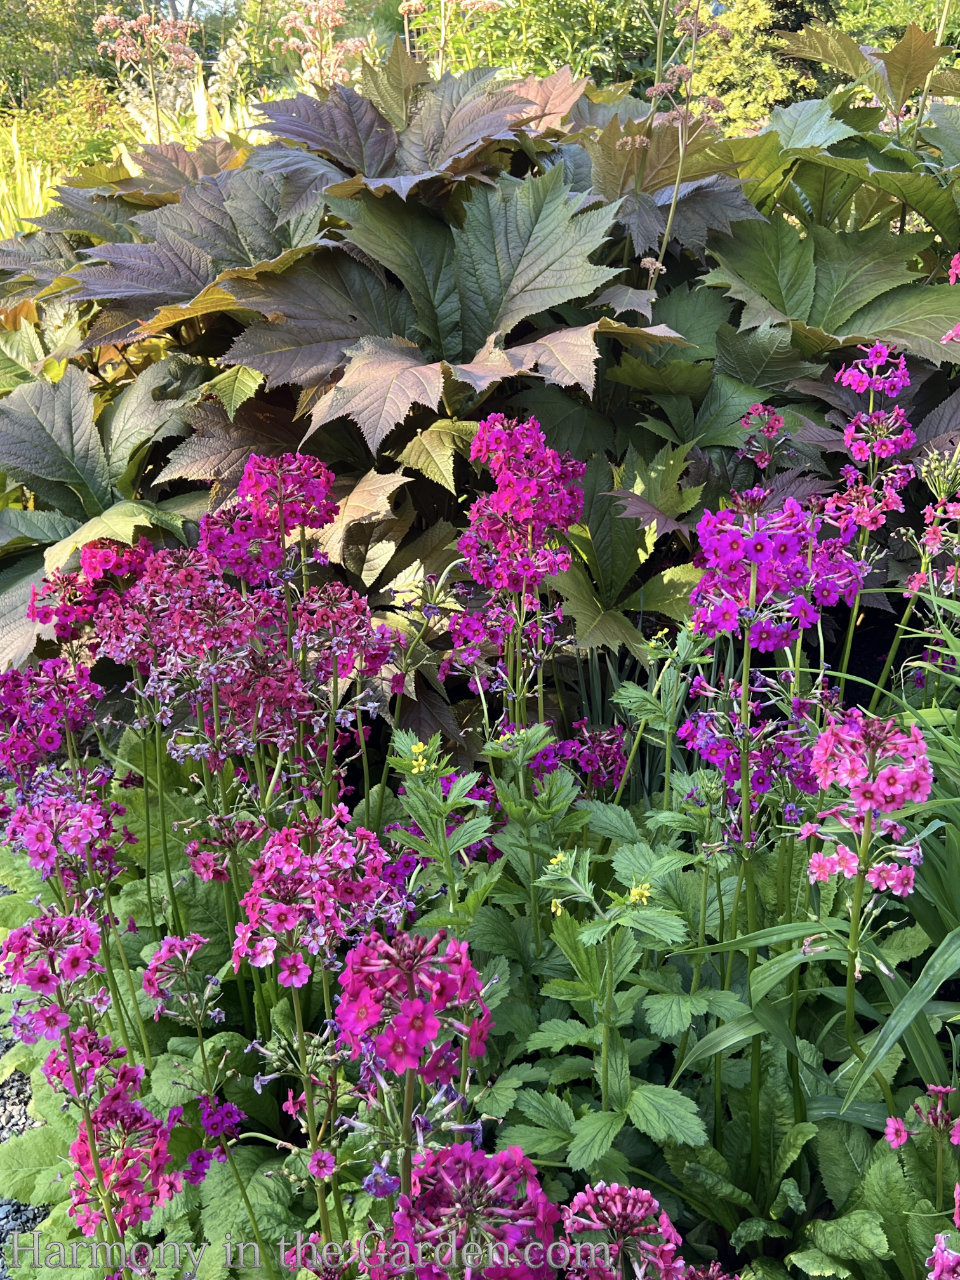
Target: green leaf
<point>523,249</point>
<point>666,1115</point>
<point>419,249</point>
<point>814,1262</point>
<point>120,522</point>
<point>807,124</point>
<point>432,451</point>
<point>382,382</point>
<point>17,633</point>
<point>25,528</point>
<point>154,406</point>
<point>671,1013</point>
<point>821,43</point>
<point>907,65</point>
<point>593,1136</point>
<point>769,267</point>
<point>559,1033</point>
<point>855,1237</point>
<point>854,269</point>
<point>843,1152</point>
<point>48,441</point>
<point>667,593</point>
<point>317,310</point>
<point>940,968</point>
<point>764,357</point>
<point>790,1147</point>
<point>914,317</point>
<point>234,386</point>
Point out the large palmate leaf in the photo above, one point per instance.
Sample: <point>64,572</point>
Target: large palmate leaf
<point>419,250</point>
<point>156,405</point>
<point>832,287</point>
<point>448,124</point>
<point>18,634</point>
<point>347,128</point>
<point>167,168</point>
<point>48,441</point>
<point>29,263</point>
<point>220,227</point>
<point>391,85</point>
<point>382,382</point>
<point>318,309</point>
<point>219,448</point>
<point>522,249</point>
<point>802,125</point>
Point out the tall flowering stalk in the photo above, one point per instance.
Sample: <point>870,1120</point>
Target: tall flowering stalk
<point>513,544</point>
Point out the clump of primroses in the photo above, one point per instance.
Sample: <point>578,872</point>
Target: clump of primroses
<point>409,1002</point>
<point>514,542</point>
<point>880,769</point>
<point>769,572</point>
<point>314,885</point>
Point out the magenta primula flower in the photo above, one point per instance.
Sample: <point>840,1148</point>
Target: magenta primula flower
<point>494,1201</point>
<point>401,996</point>
<point>313,885</point>
<point>769,572</point>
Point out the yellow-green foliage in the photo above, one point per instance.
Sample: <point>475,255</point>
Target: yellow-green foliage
<point>745,72</point>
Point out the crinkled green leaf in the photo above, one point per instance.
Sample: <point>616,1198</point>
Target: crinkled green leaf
<point>523,248</point>
<point>47,434</point>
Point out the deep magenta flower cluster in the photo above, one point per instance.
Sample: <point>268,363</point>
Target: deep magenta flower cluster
<point>129,1156</point>
<point>597,754</point>
<point>404,997</point>
<point>769,572</point>
<point>314,884</point>
<point>274,497</point>
<point>633,1223</point>
<point>467,1195</point>
<point>71,601</point>
<point>875,371</point>
<point>512,542</point>
<point>38,706</point>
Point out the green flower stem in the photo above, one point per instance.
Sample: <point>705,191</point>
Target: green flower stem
<point>131,986</point>
<point>164,845</point>
<point>607,1025</point>
<point>311,1110</point>
<point>225,1147</point>
<point>406,1158</point>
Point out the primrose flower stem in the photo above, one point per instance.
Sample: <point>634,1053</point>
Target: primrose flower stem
<point>311,1111</point>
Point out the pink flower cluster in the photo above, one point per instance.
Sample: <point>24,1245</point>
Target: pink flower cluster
<point>769,572</point>
<point>464,1194</point>
<point>38,706</point>
<point>936,1116</point>
<point>166,978</point>
<point>876,371</point>
<point>70,601</point>
<point>639,1232</point>
<point>878,434</point>
<point>146,38</point>
<point>275,497</point>
<point>512,542</point>
<point>315,884</point>
<point>403,997</point>
<point>52,957</point>
<point>864,504</point>
<point>769,422</point>
<point>882,768</point>
<point>71,837</point>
